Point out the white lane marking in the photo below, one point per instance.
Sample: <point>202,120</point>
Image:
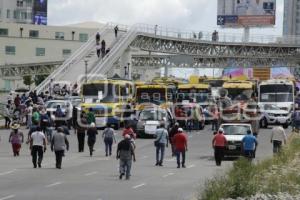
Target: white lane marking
<point>91,173</point>
<point>138,186</point>
<point>190,166</point>
<point>144,157</point>
<point>7,197</point>
<point>190,136</point>
<point>169,174</point>
<point>171,159</point>
<point>8,172</point>
<point>53,184</point>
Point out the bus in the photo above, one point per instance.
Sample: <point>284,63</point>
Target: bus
<point>278,92</point>
<point>108,99</point>
<point>158,94</point>
<point>194,93</point>
<point>239,91</point>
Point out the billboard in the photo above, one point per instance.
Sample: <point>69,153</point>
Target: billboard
<point>39,12</point>
<point>241,13</point>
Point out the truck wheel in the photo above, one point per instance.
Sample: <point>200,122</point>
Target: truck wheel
<point>285,126</point>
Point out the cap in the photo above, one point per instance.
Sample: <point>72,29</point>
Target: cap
<point>180,130</point>
<point>127,136</point>
<point>15,126</point>
<point>221,130</point>
<point>93,124</point>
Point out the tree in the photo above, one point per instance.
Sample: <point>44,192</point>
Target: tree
<point>27,80</point>
<point>38,79</point>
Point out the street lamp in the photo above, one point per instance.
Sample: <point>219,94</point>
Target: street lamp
<point>86,65</point>
<point>21,31</point>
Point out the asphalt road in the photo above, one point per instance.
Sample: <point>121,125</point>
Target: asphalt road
<point>96,178</point>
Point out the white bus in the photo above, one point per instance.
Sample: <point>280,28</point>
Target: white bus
<point>277,92</point>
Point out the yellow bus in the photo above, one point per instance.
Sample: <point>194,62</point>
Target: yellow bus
<point>238,90</point>
<point>194,93</point>
<point>158,94</point>
<point>108,99</point>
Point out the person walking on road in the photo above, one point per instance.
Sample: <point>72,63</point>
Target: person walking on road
<point>180,141</point>
<point>92,134</point>
<point>249,145</point>
<point>172,133</point>
<point>59,144</point>
<point>278,138</point>
<point>91,116</point>
<point>116,29</point>
<point>16,139</point>
<point>108,138</point>
<point>219,142</point>
<point>7,116</point>
<point>125,152</point>
<point>80,131</point>
<point>161,142</point>
<point>37,142</point>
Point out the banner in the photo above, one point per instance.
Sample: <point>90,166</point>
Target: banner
<point>39,13</point>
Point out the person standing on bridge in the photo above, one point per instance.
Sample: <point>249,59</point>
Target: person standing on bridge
<point>219,142</point>
<point>59,144</point>
<point>97,38</point>
<point>103,48</point>
<point>116,31</point>
<point>98,49</point>
<point>125,152</point>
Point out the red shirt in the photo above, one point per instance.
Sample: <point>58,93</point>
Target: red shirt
<point>129,131</point>
<point>180,141</point>
<point>219,140</point>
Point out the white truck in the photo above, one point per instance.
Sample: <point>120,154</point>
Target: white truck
<point>278,92</point>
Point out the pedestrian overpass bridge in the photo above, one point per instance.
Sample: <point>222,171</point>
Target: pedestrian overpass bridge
<point>146,46</point>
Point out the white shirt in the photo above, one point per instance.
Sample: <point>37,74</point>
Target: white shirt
<point>29,109</point>
<point>278,134</point>
<point>37,138</point>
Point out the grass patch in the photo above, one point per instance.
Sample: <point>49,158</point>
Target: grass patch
<point>271,176</point>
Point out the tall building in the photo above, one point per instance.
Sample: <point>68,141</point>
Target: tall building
<point>24,11</point>
<point>291,21</point>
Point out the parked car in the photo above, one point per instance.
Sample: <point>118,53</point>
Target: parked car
<point>234,134</point>
<point>271,114</point>
<point>150,119</point>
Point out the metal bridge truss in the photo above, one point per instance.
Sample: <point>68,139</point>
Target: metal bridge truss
<point>214,54</point>
<point>28,69</point>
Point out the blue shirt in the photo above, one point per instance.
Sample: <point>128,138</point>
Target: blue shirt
<point>249,142</point>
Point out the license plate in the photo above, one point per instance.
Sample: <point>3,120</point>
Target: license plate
<point>231,147</point>
<point>150,129</point>
<point>101,121</point>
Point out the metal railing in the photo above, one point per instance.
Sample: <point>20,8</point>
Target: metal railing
<point>79,53</point>
<point>222,37</point>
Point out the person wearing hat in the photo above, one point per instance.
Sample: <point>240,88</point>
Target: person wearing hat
<point>125,152</point>
<point>92,134</point>
<point>16,138</point>
<point>180,142</point>
<point>219,142</point>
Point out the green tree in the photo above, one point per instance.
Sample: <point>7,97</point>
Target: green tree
<point>38,79</point>
<point>27,80</point>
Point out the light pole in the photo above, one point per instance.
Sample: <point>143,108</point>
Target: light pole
<point>128,70</point>
<point>86,65</point>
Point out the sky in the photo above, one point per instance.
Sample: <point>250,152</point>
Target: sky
<point>189,15</point>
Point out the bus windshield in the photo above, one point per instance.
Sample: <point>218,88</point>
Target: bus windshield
<point>239,94</point>
<point>151,95</point>
<point>106,92</point>
<point>192,95</point>
<point>276,93</point>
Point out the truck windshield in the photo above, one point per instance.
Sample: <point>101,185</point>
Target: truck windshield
<point>235,129</point>
<point>276,93</point>
<point>191,95</point>
<point>239,94</point>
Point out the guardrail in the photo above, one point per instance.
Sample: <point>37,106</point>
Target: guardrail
<point>74,57</point>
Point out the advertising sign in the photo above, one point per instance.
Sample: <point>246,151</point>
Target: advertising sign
<point>241,13</point>
<point>40,12</point>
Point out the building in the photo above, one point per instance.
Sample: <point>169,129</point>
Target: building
<point>291,21</point>
<point>24,11</point>
<point>28,43</point>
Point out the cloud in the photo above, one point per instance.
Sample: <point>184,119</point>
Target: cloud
<point>180,14</point>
